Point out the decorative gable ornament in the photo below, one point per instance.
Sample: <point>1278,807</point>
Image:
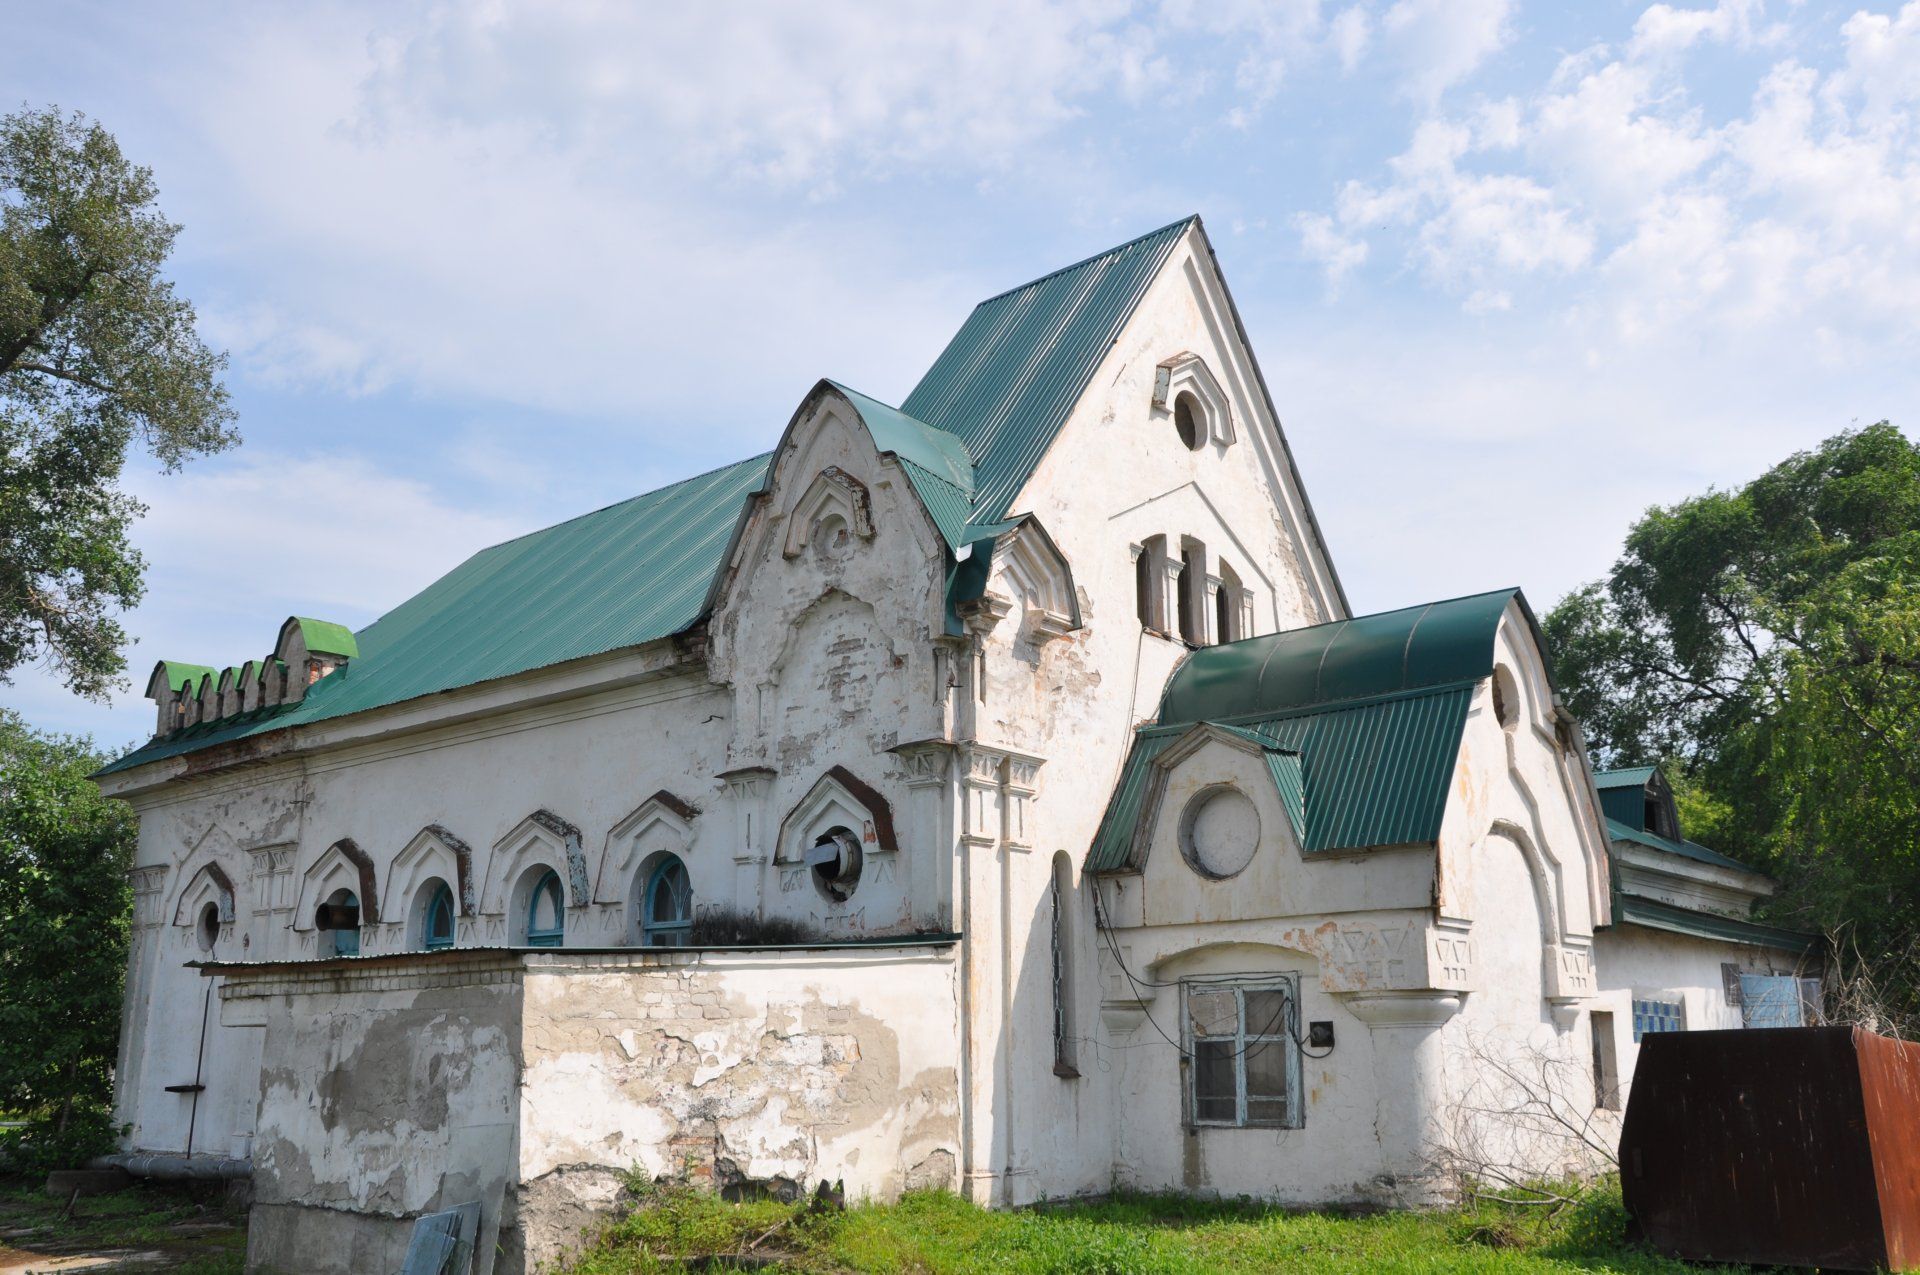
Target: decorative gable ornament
<point>835,508</point>
<point>1188,373</point>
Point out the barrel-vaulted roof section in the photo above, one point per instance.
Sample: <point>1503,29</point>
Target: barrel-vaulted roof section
<point>1429,645</point>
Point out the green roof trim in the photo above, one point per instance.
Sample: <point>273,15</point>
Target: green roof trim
<point>1364,773</point>
<point>631,573</point>
<point>1632,909</point>
<point>1011,376</point>
<point>1626,777</point>
<point>324,637</point>
<point>1619,831</point>
<point>1392,651</point>
<point>898,434</point>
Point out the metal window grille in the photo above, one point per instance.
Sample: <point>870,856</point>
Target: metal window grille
<point>1242,1053</point>
<point>1658,1016</point>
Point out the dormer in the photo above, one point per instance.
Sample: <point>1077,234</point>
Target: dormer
<point>311,649</point>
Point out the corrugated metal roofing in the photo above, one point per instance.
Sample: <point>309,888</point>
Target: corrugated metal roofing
<point>1626,777</point>
<point>1367,655</point>
<point>1010,377</point>
<point>969,437</point>
<point>631,573</point>
<point>1372,772</point>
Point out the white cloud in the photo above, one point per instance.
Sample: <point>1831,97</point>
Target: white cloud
<point>1336,253</point>
<point>1663,30</point>
<point>1350,32</point>
<point>1437,44</point>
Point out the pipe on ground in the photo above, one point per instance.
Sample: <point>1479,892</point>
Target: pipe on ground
<point>167,1167</point>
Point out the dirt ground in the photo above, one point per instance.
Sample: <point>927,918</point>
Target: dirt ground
<point>187,1231</point>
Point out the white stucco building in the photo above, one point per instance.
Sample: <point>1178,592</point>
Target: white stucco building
<point>992,792</point>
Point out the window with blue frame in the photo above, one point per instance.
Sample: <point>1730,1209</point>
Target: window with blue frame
<point>1658,1016</point>
<point>666,905</point>
<point>437,928</point>
<point>546,912</point>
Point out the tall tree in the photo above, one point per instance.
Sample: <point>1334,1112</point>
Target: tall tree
<point>97,353</point>
<point>64,854</point>
<point>1765,641</point>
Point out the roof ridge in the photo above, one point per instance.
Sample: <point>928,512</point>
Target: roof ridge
<point>1089,259</point>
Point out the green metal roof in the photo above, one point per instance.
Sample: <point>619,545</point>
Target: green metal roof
<point>1372,772</point>
<point>1632,909</point>
<point>324,637</point>
<point>1428,645</point>
<point>1620,831</point>
<point>968,438</point>
<point>627,574</point>
<point>1626,777</point>
<point>1010,377</point>
<point>180,676</point>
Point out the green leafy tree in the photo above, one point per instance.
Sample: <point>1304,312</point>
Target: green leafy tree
<point>1765,642</point>
<point>64,854</point>
<point>97,352</point>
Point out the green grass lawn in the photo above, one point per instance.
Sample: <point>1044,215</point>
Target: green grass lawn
<point>938,1233</point>
<point>189,1228</point>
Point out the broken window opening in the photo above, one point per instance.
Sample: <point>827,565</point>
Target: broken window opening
<point>666,911</point>
<point>1242,1053</point>
<point>1065,1056</point>
<point>836,861</point>
<point>1606,1064</point>
<point>343,929</point>
<point>1226,605</point>
<point>546,912</point>
<point>1149,584</point>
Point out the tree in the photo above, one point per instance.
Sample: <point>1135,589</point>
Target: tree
<point>64,854</point>
<point>96,351</point>
<point>1766,643</point>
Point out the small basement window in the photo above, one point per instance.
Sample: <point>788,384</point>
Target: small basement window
<point>1606,1063</point>
<point>1242,1053</point>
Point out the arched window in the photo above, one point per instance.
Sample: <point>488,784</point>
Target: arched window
<point>546,912</point>
<point>1149,575</point>
<point>1065,1056</point>
<point>438,928</point>
<point>207,928</point>
<point>666,903</point>
<point>1226,607</point>
<point>1192,591</point>
<point>343,928</point>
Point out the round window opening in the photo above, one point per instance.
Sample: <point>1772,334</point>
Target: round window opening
<point>1219,831</point>
<point>832,538</point>
<point>834,860</point>
<point>1188,422</point>
<point>207,930</point>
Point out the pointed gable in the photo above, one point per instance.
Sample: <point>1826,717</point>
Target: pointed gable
<point>1010,377</point>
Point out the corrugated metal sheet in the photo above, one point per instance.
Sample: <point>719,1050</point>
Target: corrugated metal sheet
<point>1010,377</point>
<point>1795,1147</point>
<point>1391,651</point>
<point>631,573</point>
<point>949,506</point>
<point>1373,772</point>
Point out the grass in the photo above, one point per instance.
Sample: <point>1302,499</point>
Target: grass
<point>938,1234</point>
<point>189,1226</point>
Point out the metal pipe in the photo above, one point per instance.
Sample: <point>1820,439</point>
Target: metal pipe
<point>170,1167</point>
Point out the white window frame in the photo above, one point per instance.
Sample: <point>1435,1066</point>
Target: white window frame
<point>1286,1036</point>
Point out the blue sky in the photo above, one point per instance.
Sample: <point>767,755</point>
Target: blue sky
<point>1515,272</point>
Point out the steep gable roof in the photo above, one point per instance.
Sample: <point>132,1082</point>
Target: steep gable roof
<point>969,437</point>
<point>1011,375</point>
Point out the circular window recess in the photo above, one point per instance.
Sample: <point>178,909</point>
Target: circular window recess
<point>1506,697</point>
<point>1189,421</point>
<point>834,861</point>
<point>1219,831</point>
<point>207,929</point>
<point>832,538</point>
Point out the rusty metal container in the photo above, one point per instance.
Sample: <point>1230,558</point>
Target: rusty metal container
<point>1786,1146</point>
